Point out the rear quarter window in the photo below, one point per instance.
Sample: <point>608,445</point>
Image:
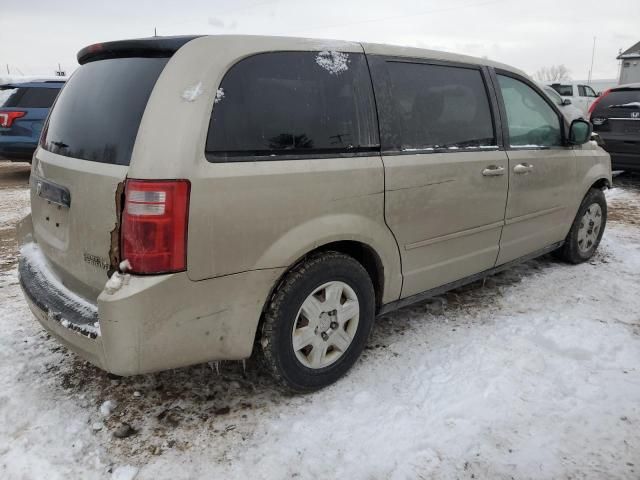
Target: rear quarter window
<point>293,103</point>
<point>98,112</point>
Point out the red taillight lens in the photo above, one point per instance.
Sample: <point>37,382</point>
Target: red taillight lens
<point>7,117</point>
<point>597,100</point>
<point>154,225</point>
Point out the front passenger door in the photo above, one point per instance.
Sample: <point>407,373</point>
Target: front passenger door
<point>541,170</point>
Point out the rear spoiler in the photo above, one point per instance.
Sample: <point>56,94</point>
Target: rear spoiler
<point>139,47</point>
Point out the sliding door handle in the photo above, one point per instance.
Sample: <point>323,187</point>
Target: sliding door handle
<point>493,171</point>
<point>523,168</point>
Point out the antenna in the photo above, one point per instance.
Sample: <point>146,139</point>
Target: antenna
<point>155,33</point>
<point>593,53</point>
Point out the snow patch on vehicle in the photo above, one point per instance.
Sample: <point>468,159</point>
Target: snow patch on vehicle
<point>116,282</point>
<point>625,105</point>
<point>191,93</point>
<point>219,95</point>
<point>35,257</point>
<point>333,62</point>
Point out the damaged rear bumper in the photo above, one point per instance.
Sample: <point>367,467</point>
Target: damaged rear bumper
<point>149,323</point>
<point>69,318</point>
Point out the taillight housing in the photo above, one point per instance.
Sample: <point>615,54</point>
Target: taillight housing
<point>7,117</point>
<point>592,107</point>
<point>153,231</point>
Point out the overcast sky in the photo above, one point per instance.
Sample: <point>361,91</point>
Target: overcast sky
<point>37,34</point>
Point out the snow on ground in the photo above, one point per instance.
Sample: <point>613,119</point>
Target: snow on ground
<point>531,374</point>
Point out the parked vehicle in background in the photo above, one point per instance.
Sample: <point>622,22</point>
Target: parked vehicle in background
<point>199,198</point>
<point>616,118</point>
<point>581,95</point>
<point>564,104</point>
<point>24,106</point>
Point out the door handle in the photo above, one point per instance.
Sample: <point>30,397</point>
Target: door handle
<point>493,171</point>
<point>523,168</point>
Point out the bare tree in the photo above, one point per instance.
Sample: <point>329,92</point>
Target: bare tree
<point>554,73</point>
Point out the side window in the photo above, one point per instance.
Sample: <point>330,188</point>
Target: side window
<point>586,91</point>
<point>564,90</point>
<point>531,120</point>
<point>438,107</point>
<point>294,103</point>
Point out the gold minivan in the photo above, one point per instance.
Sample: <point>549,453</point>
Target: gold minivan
<point>209,198</point>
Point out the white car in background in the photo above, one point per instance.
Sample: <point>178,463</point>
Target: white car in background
<point>565,104</point>
<point>581,95</point>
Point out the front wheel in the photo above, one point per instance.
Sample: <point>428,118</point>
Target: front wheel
<point>587,229</point>
<point>317,322</point>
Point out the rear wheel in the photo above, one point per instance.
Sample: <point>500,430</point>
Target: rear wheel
<point>317,322</point>
<point>587,229</point>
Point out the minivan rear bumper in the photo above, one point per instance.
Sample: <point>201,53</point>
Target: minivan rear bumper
<point>70,319</point>
<point>150,323</point>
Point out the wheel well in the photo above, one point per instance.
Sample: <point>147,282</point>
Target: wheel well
<point>601,184</point>
<point>366,256</point>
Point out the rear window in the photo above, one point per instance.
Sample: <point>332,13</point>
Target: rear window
<point>293,103</point>
<point>98,113</point>
<point>27,97</point>
<point>621,99</point>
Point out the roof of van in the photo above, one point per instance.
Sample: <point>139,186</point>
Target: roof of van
<point>166,46</point>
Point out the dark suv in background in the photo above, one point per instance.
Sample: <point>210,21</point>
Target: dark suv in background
<point>616,118</point>
<point>24,107</point>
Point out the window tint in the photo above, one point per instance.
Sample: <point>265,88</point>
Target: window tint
<point>586,91</point>
<point>439,107</point>
<point>7,95</point>
<point>620,99</point>
<point>531,120</point>
<point>98,113</point>
<point>557,99</point>
<point>294,103</point>
<point>31,97</point>
<point>564,90</point>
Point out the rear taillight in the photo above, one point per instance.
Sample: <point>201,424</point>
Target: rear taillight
<point>7,117</point>
<point>153,233</point>
<point>597,100</point>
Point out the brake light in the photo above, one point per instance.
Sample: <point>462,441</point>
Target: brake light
<point>597,100</point>
<point>153,233</point>
<point>7,117</point>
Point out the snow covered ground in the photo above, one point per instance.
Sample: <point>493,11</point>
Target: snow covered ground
<point>534,373</point>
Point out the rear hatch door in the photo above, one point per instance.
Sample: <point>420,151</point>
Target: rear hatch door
<point>616,118</point>
<point>84,157</point>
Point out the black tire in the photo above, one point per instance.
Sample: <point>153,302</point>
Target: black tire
<point>571,251</point>
<point>276,345</point>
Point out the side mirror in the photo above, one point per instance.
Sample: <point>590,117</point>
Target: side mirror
<point>566,101</point>
<point>580,132</point>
